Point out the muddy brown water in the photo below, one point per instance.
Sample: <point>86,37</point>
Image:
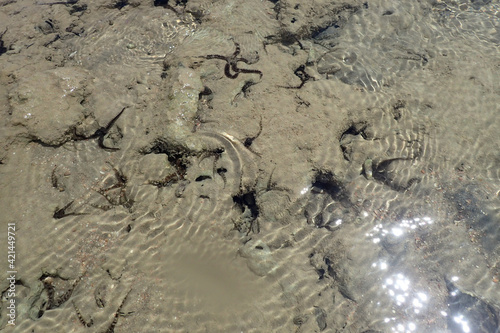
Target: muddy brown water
<point>250,166</point>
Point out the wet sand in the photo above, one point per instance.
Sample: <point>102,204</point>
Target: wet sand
<point>250,166</point>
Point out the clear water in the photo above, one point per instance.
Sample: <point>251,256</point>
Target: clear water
<point>347,181</point>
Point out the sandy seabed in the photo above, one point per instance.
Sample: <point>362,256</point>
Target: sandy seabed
<point>250,166</point>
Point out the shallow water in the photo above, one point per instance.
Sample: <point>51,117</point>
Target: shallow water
<point>251,166</point>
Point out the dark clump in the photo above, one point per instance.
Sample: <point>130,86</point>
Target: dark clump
<point>202,178</point>
<point>328,202</point>
<point>247,202</point>
<point>177,156</point>
<point>250,212</point>
<point>166,4</point>
<point>160,3</point>
<point>3,49</point>
<point>120,4</point>
<point>287,38</point>
<point>326,182</point>
<point>76,8</point>
<point>284,37</point>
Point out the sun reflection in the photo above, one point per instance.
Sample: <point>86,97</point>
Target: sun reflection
<point>459,319</point>
<point>408,328</point>
<point>382,265</point>
<point>397,286</point>
<point>454,308</point>
<point>305,190</point>
<point>397,232</point>
<point>400,229</point>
